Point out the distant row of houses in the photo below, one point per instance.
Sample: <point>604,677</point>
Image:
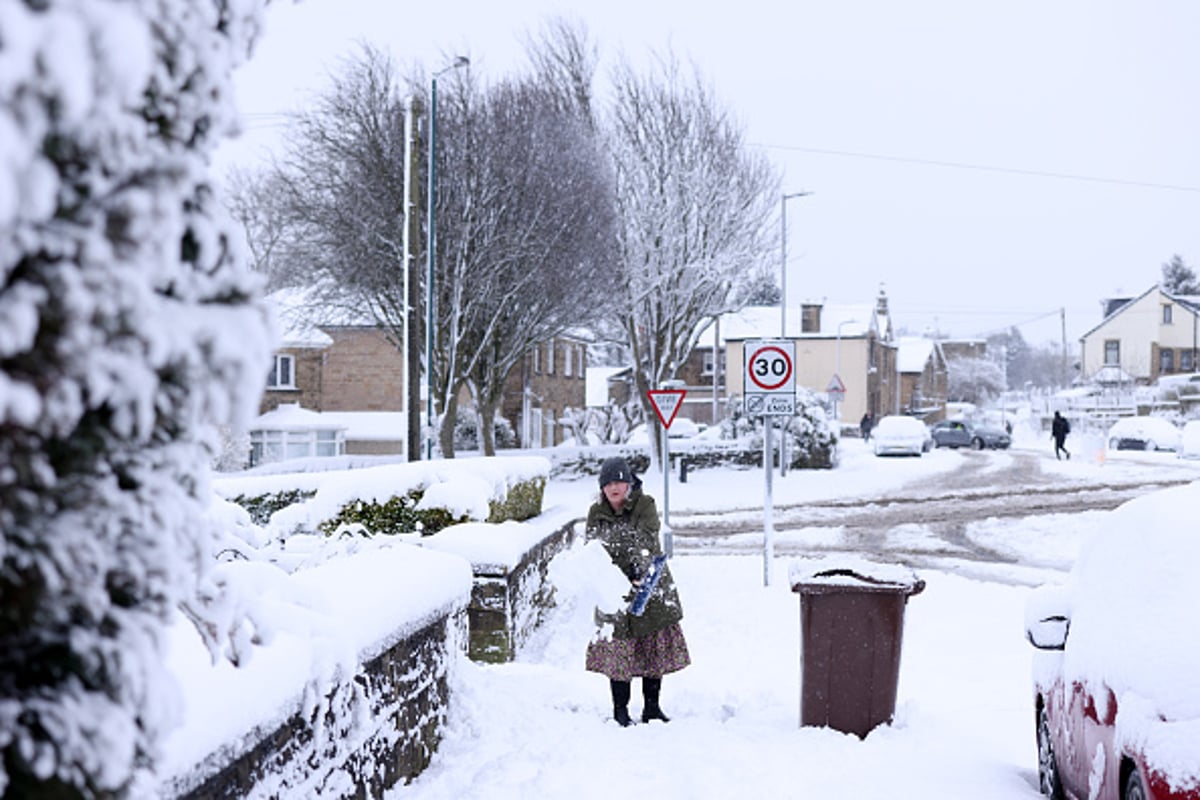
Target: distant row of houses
<point>337,385</point>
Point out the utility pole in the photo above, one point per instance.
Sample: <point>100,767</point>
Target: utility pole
<point>1062,315</point>
<point>412,286</point>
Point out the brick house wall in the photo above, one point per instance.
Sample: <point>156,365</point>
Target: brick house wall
<point>555,382</point>
<point>307,365</point>
<point>363,371</point>
<point>360,371</point>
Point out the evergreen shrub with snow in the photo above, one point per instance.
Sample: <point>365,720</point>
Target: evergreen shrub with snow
<point>466,431</point>
<point>129,331</point>
<point>812,439</point>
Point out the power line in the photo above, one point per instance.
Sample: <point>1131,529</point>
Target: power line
<point>929,162</point>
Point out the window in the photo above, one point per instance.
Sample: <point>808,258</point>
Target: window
<point>568,357</point>
<point>582,362</point>
<point>329,443</point>
<point>283,373</point>
<point>1112,352</point>
<point>269,446</point>
<point>1166,318</point>
<point>550,358</point>
<point>1166,360</point>
<point>537,361</point>
<point>1186,361</point>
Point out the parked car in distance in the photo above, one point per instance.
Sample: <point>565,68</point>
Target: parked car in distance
<point>959,433</point>
<point>1143,433</point>
<point>1115,697</point>
<point>1189,440</point>
<point>900,436</point>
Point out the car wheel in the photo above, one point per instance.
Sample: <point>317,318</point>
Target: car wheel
<point>1048,778</point>
<point>1134,788</point>
<point>977,443</point>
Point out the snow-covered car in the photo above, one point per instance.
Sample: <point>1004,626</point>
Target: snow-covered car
<point>898,436</point>
<point>959,433</point>
<point>1116,699</point>
<point>1189,440</point>
<point>1143,433</point>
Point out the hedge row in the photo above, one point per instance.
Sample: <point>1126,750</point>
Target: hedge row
<point>399,514</point>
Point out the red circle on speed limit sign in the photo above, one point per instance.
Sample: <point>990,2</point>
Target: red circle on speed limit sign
<point>769,368</point>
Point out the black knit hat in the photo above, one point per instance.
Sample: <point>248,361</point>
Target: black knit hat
<point>615,469</point>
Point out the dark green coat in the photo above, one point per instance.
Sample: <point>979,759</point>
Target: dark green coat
<point>631,539</point>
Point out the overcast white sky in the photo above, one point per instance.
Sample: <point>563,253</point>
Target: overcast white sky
<point>989,163</point>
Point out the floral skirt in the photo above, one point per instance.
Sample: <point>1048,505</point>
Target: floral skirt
<point>648,657</point>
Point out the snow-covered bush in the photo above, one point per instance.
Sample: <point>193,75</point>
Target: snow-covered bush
<point>128,330</point>
<point>466,431</point>
<point>812,438</point>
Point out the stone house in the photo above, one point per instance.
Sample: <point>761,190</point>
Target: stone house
<point>848,345</point>
<point>924,378</point>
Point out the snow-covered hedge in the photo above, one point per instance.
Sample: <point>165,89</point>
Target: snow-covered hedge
<point>424,496</point>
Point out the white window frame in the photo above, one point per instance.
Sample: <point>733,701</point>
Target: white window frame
<point>1112,346</point>
<point>268,446</point>
<point>280,359</point>
<point>550,358</point>
<point>1167,314</point>
<point>568,359</point>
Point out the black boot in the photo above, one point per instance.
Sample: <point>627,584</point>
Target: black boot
<point>650,707</point>
<point>620,695</point>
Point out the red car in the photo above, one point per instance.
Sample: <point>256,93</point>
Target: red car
<point>1117,666</point>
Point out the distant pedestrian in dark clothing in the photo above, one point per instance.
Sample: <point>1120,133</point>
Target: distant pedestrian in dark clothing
<point>1059,429</point>
<point>865,424</point>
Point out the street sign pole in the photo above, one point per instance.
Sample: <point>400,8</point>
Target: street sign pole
<point>770,390</point>
<point>768,505</point>
<point>667,402</point>
<point>668,539</point>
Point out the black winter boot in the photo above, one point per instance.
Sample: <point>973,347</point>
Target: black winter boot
<point>620,695</point>
<point>650,707</point>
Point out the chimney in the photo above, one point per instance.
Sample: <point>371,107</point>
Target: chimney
<point>810,317</point>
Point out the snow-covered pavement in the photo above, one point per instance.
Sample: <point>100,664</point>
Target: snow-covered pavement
<point>964,723</point>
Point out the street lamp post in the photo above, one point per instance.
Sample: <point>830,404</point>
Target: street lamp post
<point>431,250</point>
<point>837,370</point>
<point>783,260</point>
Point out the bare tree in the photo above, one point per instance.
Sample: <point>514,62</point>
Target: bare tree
<point>523,213</point>
<point>694,208</point>
<point>974,380</point>
<point>525,232</point>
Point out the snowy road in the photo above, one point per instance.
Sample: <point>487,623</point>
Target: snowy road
<point>948,507</point>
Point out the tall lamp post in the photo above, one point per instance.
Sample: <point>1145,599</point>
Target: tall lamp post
<point>783,260</point>
<point>431,250</point>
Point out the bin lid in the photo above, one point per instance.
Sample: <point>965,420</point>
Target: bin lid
<point>827,575</point>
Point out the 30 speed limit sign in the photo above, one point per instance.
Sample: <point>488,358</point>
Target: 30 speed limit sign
<point>770,376</point>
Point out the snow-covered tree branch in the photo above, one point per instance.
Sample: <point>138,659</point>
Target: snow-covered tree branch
<point>694,209</point>
<point>128,330</point>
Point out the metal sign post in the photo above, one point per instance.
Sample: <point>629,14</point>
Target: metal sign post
<point>770,382</point>
<point>667,402</point>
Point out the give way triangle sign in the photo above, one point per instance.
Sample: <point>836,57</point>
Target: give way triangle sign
<point>666,404</point>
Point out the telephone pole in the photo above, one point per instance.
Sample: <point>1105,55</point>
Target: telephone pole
<point>412,286</point>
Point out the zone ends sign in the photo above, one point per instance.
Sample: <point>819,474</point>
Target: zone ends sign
<point>770,377</point>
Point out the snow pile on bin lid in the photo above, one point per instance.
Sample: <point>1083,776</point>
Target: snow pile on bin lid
<point>852,571</point>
